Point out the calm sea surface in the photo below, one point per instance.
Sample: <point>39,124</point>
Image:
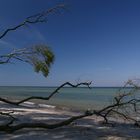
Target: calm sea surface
<point>78,98</point>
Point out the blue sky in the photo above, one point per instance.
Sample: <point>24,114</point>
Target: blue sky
<point>96,40</point>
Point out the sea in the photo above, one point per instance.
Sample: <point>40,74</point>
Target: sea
<point>75,98</point>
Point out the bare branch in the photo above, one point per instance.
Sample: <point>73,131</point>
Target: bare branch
<point>8,114</point>
<point>46,98</point>
<point>39,56</point>
<point>9,127</point>
<point>115,108</point>
<point>13,128</point>
<point>37,18</point>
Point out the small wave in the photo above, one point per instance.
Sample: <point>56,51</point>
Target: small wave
<point>32,104</point>
<point>45,105</point>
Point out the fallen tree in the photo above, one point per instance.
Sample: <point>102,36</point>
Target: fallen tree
<point>122,101</point>
<point>40,57</point>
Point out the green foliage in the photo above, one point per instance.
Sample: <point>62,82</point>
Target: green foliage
<point>41,58</point>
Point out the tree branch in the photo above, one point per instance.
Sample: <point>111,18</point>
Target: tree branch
<point>37,18</point>
<point>115,108</point>
<point>8,114</point>
<point>13,128</point>
<point>50,96</point>
<point>39,56</point>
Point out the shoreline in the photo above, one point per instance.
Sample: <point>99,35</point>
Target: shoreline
<point>80,98</point>
<point>88,128</point>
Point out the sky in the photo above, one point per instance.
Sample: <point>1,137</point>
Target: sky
<point>93,40</point>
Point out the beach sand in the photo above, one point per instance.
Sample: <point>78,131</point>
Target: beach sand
<point>88,128</point>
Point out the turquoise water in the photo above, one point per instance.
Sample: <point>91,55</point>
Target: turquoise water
<point>78,98</point>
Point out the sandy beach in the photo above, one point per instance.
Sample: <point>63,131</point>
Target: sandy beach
<point>69,70</point>
<point>88,128</point>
